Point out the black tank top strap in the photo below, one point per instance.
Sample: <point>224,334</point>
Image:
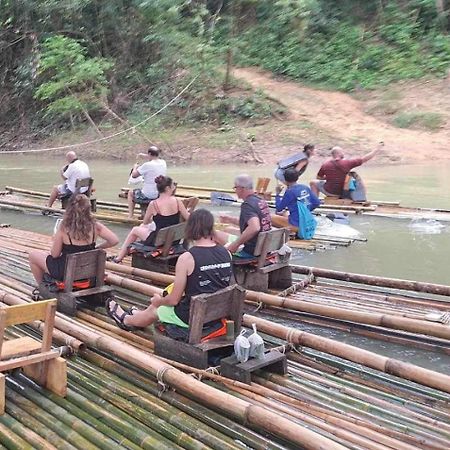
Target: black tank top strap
<point>155,204</point>
<point>70,240</point>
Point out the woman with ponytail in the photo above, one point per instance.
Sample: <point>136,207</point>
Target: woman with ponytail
<point>77,233</point>
<point>161,213</point>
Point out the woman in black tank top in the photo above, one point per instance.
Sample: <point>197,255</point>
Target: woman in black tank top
<point>77,233</point>
<point>205,268</point>
<point>162,212</point>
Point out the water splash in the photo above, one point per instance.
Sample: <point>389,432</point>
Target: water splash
<point>426,226</point>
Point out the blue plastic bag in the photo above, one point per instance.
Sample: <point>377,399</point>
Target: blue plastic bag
<point>306,222</point>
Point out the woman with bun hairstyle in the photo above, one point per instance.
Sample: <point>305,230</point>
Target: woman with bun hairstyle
<point>77,233</point>
<point>161,213</point>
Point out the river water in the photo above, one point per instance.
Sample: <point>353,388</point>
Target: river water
<point>394,248</point>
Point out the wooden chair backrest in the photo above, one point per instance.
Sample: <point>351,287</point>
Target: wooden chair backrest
<point>226,303</point>
<point>270,241</point>
<point>261,185</point>
<point>18,314</point>
<point>166,237</point>
<point>85,265</point>
<point>84,182</point>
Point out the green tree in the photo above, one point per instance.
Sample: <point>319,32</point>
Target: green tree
<point>71,83</point>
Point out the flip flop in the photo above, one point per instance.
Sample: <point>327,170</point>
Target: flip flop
<point>113,259</point>
<point>118,319</point>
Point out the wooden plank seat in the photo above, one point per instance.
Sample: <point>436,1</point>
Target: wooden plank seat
<point>79,184</point>
<point>266,270</point>
<point>37,359</point>
<point>83,283</point>
<point>228,303</point>
<point>163,255</point>
<point>273,361</point>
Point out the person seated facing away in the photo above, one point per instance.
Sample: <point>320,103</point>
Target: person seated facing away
<point>299,162</point>
<point>295,192</point>
<point>70,173</point>
<point>254,218</point>
<point>77,233</point>
<point>204,269</point>
<point>332,174</point>
<point>161,213</point>
<point>150,170</point>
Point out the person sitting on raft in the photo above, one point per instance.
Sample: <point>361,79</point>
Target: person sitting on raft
<point>299,162</point>
<point>254,218</point>
<point>161,213</point>
<point>77,233</point>
<point>294,192</point>
<point>204,269</point>
<point>149,171</point>
<point>74,169</point>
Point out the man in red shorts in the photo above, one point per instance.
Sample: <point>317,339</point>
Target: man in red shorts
<point>331,176</point>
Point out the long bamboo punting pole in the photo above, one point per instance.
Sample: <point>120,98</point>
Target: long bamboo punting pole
<point>254,415</point>
<point>417,286</point>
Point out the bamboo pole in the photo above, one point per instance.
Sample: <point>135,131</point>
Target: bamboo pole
<point>383,320</point>
<point>244,411</point>
<point>394,283</point>
<point>388,365</point>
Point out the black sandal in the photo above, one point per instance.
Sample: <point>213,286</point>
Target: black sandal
<point>36,295</point>
<point>113,259</point>
<point>118,319</point>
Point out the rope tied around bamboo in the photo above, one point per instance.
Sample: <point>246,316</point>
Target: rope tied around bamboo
<point>299,286</point>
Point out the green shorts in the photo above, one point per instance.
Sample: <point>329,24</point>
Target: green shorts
<point>166,314</point>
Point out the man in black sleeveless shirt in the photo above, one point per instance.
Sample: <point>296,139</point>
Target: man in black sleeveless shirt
<point>254,217</point>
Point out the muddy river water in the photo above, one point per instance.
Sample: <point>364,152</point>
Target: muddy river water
<point>395,248</point>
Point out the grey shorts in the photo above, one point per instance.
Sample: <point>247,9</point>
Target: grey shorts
<point>63,190</point>
<point>139,197</point>
<point>279,175</point>
<point>321,187</point>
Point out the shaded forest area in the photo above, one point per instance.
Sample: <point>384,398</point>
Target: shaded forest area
<point>71,64</point>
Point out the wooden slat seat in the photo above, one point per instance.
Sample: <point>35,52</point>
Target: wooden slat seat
<point>265,270</point>
<point>80,184</point>
<point>36,358</point>
<point>227,303</point>
<point>166,239</point>
<point>80,266</point>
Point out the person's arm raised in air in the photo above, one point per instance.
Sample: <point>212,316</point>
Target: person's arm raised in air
<point>183,211</point>
<point>110,238</point>
<point>371,154</point>
<point>183,267</point>
<point>253,227</point>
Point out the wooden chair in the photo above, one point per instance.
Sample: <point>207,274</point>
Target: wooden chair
<point>227,303</point>
<point>88,265</point>
<point>261,188</point>
<point>38,360</point>
<point>260,274</point>
<point>79,184</point>
<point>159,257</point>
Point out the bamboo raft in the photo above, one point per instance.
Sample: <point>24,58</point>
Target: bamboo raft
<point>120,396</point>
<point>116,212</point>
<point>374,208</point>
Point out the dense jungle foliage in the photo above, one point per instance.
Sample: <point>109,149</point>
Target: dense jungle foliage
<point>65,63</point>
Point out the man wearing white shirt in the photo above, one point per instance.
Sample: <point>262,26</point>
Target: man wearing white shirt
<point>74,170</point>
<point>150,170</point>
